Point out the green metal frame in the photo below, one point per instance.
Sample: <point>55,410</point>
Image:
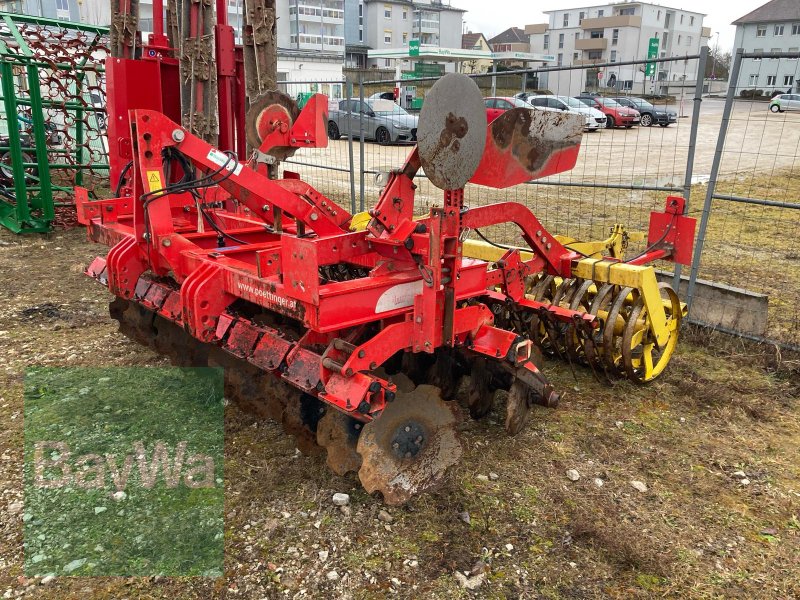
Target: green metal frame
<point>31,208</point>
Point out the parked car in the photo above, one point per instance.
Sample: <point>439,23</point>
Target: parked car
<point>382,120</point>
<point>594,118</point>
<point>648,113</point>
<point>785,102</point>
<point>616,114</point>
<point>382,96</point>
<point>496,106</point>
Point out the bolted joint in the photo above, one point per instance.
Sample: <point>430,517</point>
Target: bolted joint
<point>409,243</point>
<point>374,387</point>
<point>178,135</point>
<point>363,407</point>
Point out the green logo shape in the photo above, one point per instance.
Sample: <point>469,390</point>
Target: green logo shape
<point>124,472</point>
<point>652,52</point>
<point>413,47</point>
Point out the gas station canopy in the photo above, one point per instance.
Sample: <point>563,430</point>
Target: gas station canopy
<point>434,53</point>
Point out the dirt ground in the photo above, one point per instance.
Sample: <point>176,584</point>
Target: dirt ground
<point>715,441</point>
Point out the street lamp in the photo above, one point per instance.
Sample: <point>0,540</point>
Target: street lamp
<point>714,57</point>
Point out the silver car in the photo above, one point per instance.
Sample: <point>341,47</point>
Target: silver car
<point>785,102</point>
<point>379,120</point>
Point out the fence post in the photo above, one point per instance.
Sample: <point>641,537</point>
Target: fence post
<point>687,180</point>
<point>361,140</point>
<point>22,210</point>
<point>349,92</point>
<point>733,80</point>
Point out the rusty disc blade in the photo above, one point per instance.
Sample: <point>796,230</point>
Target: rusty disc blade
<point>271,105</point>
<point>408,449</point>
<point>451,132</point>
<point>525,144</point>
<point>481,396</point>
<point>338,434</point>
<point>403,382</point>
<point>300,418</point>
<point>517,407</point>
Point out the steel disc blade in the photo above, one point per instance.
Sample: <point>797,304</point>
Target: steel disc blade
<point>338,434</point>
<point>451,132</point>
<point>300,419</point>
<point>525,144</point>
<point>409,447</point>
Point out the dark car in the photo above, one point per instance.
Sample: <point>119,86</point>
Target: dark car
<point>650,114</point>
<point>616,114</point>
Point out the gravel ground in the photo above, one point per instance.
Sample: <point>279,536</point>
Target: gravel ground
<point>689,487</point>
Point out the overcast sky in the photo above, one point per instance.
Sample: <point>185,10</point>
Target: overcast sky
<point>490,18</point>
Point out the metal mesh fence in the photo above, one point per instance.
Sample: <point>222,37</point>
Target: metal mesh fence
<point>752,200</point>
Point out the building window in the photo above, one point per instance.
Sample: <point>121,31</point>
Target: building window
<point>566,19</point>
<point>778,31</point>
<point>387,62</point>
<point>761,31</point>
<point>580,17</point>
<point>688,40</point>
<point>793,50</point>
<point>679,40</point>
<point>795,28</point>
<point>560,40</point>
<point>614,37</point>
<point>387,36</point>
<point>758,51</point>
<point>691,20</point>
<point>787,79</point>
<point>627,11</point>
<point>574,56</point>
<point>360,35</point>
<point>387,11</point>
<point>597,34</point>
<point>405,14</point>
<point>600,13</point>
<point>546,42</point>
<point>664,40</point>
<point>775,50</point>
<point>754,79</point>
<point>771,79</point>
<point>62,5</point>
<point>681,19</point>
<point>577,35</point>
<point>560,60</point>
<point>613,56</point>
<point>595,54</point>
<point>405,37</point>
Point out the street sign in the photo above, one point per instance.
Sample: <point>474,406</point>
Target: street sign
<point>652,52</point>
<point>428,70</point>
<point>413,47</point>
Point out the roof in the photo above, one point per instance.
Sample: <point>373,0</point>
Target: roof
<point>623,4</point>
<point>468,40</point>
<point>776,10</point>
<point>513,35</point>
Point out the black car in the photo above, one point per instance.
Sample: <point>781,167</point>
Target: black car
<point>651,115</point>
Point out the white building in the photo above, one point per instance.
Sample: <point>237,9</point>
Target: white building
<point>773,27</point>
<point>393,23</point>
<point>611,33</point>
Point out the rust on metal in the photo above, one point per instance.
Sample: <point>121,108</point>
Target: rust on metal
<point>408,449</point>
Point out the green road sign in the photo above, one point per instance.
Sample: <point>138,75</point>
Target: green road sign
<point>413,47</point>
<point>652,52</point>
<point>428,70</point>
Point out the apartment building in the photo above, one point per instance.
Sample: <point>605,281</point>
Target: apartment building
<point>618,32</point>
<point>773,27</point>
<point>393,23</point>
<point>66,10</point>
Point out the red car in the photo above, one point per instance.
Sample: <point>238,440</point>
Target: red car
<point>616,114</point>
<point>497,106</point>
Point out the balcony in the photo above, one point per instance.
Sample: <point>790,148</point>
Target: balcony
<point>616,21</point>
<point>587,61</point>
<point>591,44</point>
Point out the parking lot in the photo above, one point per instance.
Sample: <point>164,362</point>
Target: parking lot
<point>652,156</point>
